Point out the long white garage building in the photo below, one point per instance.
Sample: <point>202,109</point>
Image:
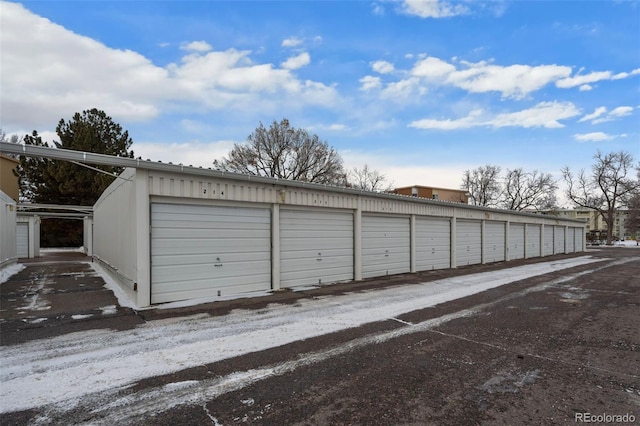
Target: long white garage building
<point>172,233</point>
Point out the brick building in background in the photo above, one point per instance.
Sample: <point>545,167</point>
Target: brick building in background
<point>442,194</point>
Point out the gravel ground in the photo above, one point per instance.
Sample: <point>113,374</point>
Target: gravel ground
<point>551,349</point>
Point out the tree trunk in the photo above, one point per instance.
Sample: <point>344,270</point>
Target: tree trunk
<point>610,222</point>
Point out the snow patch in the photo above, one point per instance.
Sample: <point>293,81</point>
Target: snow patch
<point>81,316</point>
<point>9,271</point>
<point>109,310</point>
<point>64,369</point>
<point>123,298</point>
<point>180,385</point>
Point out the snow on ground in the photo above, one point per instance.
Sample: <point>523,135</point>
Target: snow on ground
<point>8,271</point>
<point>64,369</point>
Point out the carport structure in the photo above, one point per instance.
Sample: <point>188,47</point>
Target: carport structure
<point>171,232</point>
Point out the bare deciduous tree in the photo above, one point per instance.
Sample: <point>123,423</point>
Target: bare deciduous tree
<point>606,188</point>
<point>483,185</point>
<point>368,179</point>
<point>524,190</point>
<point>285,152</point>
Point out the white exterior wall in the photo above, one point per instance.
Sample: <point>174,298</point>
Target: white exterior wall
<point>121,234</point>
<point>125,207</point>
<point>8,250</point>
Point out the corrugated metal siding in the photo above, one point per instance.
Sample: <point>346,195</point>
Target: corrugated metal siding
<point>22,239</point>
<point>516,241</point>
<point>385,245</point>
<point>433,243</point>
<point>494,243</point>
<point>533,240</point>
<point>548,240</point>
<point>468,242</point>
<point>315,246</point>
<point>201,251</point>
<point>558,238</point>
<point>8,250</point>
<point>114,228</point>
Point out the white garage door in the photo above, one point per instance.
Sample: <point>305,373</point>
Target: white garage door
<point>571,235</point>
<point>516,241</point>
<point>579,238</point>
<point>548,240</point>
<point>385,246</point>
<point>533,241</point>
<point>558,238</point>
<point>468,242</point>
<point>201,251</point>
<point>315,247</point>
<point>22,239</point>
<point>494,241</point>
<point>433,243</point>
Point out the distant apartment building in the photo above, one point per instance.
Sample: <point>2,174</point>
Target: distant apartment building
<point>8,180</point>
<point>442,194</point>
<point>596,228</point>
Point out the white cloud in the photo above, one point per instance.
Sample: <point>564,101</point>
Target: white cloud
<point>382,67</point>
<point>580,80</point>
<point>600,115</point>
<point>296,62</point>
<point>595,114</point>
<point>401,90</point>
<point>370,82</point>
<point>514,81</point>
<point>196,46</point>
<point>291,42</point>
<point>621,111</point>
<point>471,120</point>
<point>66,73</point>
<point>433,69</point>
<point>433,8</point>
<point>592,137</point>
<point>544,114</point>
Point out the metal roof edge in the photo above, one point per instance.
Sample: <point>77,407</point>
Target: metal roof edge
<point>137,163</point>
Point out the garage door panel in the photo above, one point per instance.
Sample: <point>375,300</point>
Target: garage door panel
<point>22,239</point>
<point>516,241</point>
<point>571,240</point>
<point>558,239</point>
<point>199,251</point>
<point>579,233</point>
<point>315,247</point>
<point>548,240</point>
<point>197,272</point>
<point>494,243</point>
<point>468,243</point>
<point>385,245</point>
<point>533,240</point>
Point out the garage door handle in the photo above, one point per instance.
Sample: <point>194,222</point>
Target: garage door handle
<point>217,264</point>
<point>318,260</point>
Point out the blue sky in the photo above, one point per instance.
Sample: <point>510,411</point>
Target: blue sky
<point>420,90</point>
